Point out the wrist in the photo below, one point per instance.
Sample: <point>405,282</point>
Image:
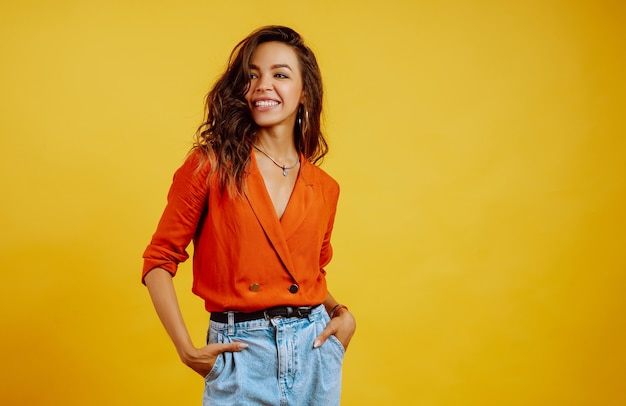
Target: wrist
<point>186,352</point>
<point>337,310</point>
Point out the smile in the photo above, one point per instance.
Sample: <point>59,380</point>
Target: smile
<point>265,103</point>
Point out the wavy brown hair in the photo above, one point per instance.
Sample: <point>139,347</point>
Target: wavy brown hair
<point>228,131</point>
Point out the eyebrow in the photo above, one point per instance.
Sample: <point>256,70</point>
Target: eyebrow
<point>275,66</point>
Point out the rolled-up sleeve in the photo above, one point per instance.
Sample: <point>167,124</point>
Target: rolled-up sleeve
<point>186,203</point>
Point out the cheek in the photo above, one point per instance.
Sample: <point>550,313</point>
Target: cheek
<point>248,94</point>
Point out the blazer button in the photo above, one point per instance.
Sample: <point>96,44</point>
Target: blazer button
<point>294,288</point>
<point>255,287</point>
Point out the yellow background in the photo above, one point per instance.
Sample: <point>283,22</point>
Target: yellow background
<point>481,232</point>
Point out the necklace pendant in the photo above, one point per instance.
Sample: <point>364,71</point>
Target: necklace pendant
<point>285,173</point>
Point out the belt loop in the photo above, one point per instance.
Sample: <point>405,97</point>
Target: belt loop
<point>231,323</point>
<point>312,314</point>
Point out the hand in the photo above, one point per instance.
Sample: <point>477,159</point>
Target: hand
<point>341,326</point>
<point>202,359</point>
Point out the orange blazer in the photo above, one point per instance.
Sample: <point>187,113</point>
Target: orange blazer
<point>245,258</point>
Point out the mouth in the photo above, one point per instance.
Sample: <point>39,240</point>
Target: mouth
<point>265,103</point>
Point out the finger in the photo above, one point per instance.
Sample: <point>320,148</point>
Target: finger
<point>321,339</point>
<point>230,347</point>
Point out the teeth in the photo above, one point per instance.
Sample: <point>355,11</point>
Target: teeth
<point>265,103</point>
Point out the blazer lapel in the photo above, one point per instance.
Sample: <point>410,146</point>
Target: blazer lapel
<point>300,201</point>
<point>263,209</point>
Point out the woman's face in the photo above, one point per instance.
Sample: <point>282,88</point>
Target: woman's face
<point>275,91</point>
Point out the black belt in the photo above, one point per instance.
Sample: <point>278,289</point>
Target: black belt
<point>280,311</point>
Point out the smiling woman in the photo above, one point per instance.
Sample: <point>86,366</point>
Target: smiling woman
<point>275,91</point>
<point>261,235</point>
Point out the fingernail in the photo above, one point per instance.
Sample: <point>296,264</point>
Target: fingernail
<point>243,345</point>
<point>317,343</point>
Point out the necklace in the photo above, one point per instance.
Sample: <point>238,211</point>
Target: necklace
<point>283,167</point>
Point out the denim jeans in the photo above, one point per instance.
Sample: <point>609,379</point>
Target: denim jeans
<point>280,366</point>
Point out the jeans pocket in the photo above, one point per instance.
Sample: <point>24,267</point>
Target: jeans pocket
<point>337,344</point>
<point>216,337</point>
<point>218,367</point>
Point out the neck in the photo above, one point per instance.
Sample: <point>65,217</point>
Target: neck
<point>279,144</point>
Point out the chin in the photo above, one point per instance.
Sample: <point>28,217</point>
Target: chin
<point>265,123</point>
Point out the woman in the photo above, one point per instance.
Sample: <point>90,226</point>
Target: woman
<point>260,214</point>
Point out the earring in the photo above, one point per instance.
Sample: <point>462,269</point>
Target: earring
<point>305,126</point>
<point>299,117</point>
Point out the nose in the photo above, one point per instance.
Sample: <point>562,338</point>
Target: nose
<point>263,85</point>
<point>263,88</point>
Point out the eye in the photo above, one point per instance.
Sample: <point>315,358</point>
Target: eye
<point>281,76</point>
<point>253,75</point>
